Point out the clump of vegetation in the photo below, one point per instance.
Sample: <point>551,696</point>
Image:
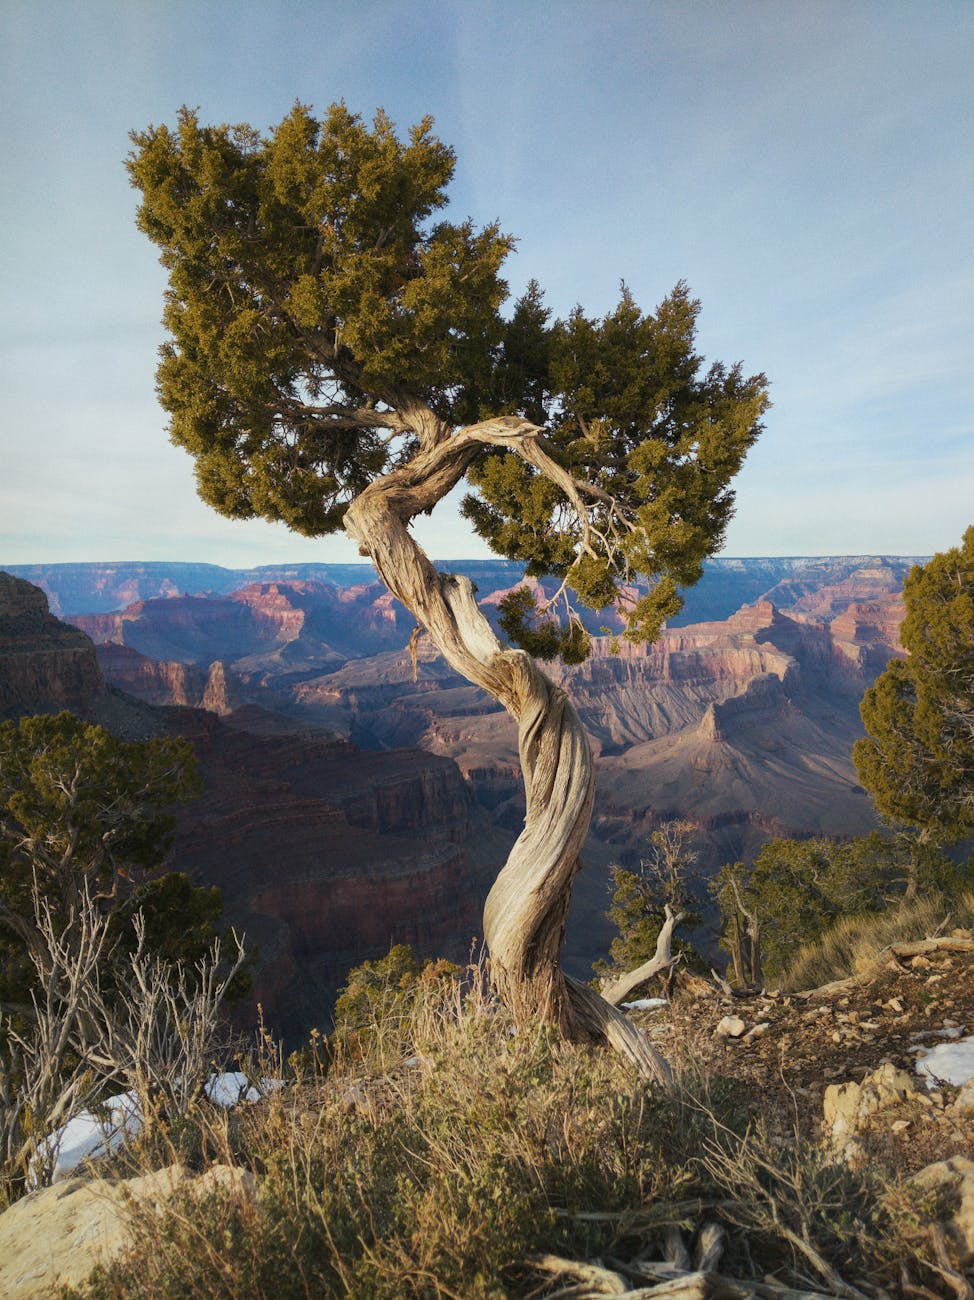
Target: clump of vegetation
<point>796,891</point>
<point>855,943</point>
<point>917,760</point>
<point>640,899</point>
<point>493,1160</point>
<point>374,1009</point>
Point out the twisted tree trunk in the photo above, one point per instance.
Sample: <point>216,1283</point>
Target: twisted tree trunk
<point>524,918</point>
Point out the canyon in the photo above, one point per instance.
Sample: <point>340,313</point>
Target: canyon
<point>325,853</point>
<point>740,718</point>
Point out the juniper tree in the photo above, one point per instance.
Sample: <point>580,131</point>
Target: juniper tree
<point>917,760</point>
<point>86,817</point>
<point>339,356</point>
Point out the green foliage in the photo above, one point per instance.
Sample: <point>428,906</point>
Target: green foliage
<point>80,808</point>
<point>306,277</point>
<point>181,922</point>
<point>918,759</point>
<point>798,889</point>
<point>320,319</point>
<point>640,897</point>
<point>629,413</point>
<point>541,634</point>
<point>637,914</point>
<point>379,996</point>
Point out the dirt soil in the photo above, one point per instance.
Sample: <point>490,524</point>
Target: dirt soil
<point>795,1045</point>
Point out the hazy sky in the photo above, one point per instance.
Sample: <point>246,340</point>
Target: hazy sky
<point>807,167</point>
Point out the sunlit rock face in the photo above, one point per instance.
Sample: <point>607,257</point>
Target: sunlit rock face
<point>164,681</point>
<point>43,662</point>
<point>157,681</point>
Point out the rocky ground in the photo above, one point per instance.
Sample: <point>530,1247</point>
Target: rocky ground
<point>792,1052</point>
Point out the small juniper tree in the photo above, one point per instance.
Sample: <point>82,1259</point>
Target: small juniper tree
<point>917,760</point>
<point>338,357</point>
<point>640,899</point>
<point>84,814</point>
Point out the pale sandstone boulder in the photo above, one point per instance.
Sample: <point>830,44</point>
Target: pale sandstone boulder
<point>730,1027</point>
<point>964,1101</point>
<point>847,1106</point>
<point>57,1235</point>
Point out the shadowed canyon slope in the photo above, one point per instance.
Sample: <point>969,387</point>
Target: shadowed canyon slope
<point>42,661</point>
<point>325,853</point>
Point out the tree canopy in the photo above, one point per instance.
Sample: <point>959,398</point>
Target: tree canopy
<point>326,324</point>
<point>82,811</point>
<point>917,760</point>
<point>339,354</point>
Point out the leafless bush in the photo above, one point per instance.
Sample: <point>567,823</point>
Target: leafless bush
<point>152,1029</point>
<point>46,1067</point>
<point>161,1035</point>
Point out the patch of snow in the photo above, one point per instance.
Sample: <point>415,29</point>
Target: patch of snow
<point>948,1063</point>
<point>87,1136</point>
<point>644,1004</point>
<point>230,1088</point>
<point>84,1137</point>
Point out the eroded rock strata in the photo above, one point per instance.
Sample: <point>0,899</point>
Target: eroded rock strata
<point>42,661</point>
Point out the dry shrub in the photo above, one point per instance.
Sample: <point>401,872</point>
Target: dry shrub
<point>441,1173</point>
<point>857,942</point>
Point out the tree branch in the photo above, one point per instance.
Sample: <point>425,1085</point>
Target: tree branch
<point>524,918</point>
<point>662,960</point>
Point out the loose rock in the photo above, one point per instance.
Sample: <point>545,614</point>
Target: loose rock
<point>730,1027</point>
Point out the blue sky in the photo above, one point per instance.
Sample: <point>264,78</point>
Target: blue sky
<point>808,168</point>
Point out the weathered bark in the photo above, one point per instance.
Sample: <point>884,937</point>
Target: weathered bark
<point>524,918</point>
<point>662,960</point>
<point>745,943</point>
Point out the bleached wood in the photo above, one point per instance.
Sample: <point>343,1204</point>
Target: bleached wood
<point>524,917</point>
<point>661,961</point>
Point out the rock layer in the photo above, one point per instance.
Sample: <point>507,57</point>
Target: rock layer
<point>42,661</point>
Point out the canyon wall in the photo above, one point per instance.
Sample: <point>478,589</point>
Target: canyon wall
<point>42,661</point>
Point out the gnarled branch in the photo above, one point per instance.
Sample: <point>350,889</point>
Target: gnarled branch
<point>524,918</point>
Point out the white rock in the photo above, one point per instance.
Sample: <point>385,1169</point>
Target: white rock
<point>730,1027</point>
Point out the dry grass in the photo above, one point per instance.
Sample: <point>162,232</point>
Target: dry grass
<point>856,943</point>
<point>447,1151</point>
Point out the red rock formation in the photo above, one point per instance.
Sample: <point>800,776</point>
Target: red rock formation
<point>153,680</point>
<point>43,662</point>
<point>223,692</point>
<point>868,632</point>
<point>872,581</point>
